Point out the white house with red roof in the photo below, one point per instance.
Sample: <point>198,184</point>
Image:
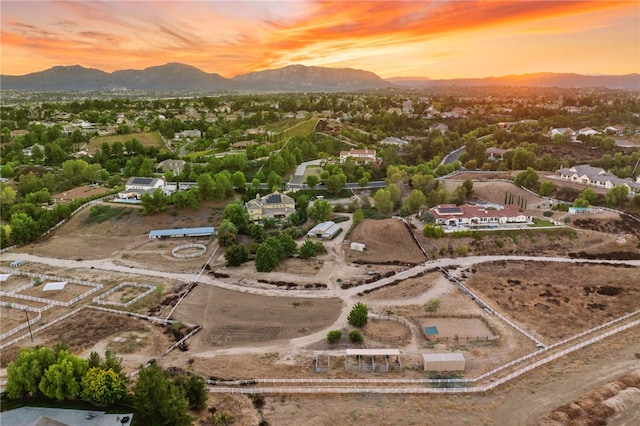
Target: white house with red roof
<point>478,215</point>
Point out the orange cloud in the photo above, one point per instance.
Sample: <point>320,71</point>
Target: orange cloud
<point>242,37</point>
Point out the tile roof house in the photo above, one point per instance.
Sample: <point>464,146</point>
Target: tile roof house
<point>585,174</point>
<point>470,215</point>
<point>274,205</point>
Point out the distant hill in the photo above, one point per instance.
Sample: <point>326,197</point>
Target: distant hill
<point>177,77</point>
<point>300,78</point>
<point>566,80</point>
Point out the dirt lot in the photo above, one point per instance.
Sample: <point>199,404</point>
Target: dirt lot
<point>387,241</point>
<point>554,300</point>
<point>91,329</point>
<point>84,191</point>
<point>231,318</point>
<point>69,291</point>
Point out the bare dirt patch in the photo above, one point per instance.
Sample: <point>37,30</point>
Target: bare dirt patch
<point>406,289</point>
<point>86,329</point>
<point>383,330</point>
<point>558,300</point>
<point>231,318</point>
<point>12,318</point>
<point>387,241</point>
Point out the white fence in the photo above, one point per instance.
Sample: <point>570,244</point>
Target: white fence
<point>99,299</point>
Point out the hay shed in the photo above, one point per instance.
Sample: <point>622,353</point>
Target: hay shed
<point>449,361</point>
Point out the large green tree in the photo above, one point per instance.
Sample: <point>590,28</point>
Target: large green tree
<point>320,210</point>
<point>159,402</point>
<point>103,386</point>
<point>358,316</point>
<point>63,378</point>
<point>25,373</point>
<point>527,178</point>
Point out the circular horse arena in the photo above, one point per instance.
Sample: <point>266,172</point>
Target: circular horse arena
<point>189,251</point>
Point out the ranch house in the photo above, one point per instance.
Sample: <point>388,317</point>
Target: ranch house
<point>136,186</point>
<point>473,215</point>
<point>274,205</point>
<point>585,174</point>
<point>362,156</point>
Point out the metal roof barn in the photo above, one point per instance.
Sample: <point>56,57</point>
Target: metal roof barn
<point>206,231</point>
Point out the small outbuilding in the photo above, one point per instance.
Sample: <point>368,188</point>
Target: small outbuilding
<point>449,361</point>
<point>358,246</point>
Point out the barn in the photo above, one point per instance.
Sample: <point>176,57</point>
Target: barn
<point>205,231</point>
<point>325,230</point>
<point>449,361</point>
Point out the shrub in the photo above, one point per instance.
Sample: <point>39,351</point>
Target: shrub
<point>547,213</point>
<point>433,231</point>
<point>334,336</point>
<point>358,315</point>
<point>499,243</point>
<point>431,306</point>
<point>463,250</point>
<point>355,337</point>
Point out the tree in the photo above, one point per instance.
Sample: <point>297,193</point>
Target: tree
<point>320,210</point>
<point>334,336</point>
<point>227,233</point>
<point>616,195</point>
<point>382,201</point>
<point>310,249</point>
<point>312,181</point>
<point>239,180</point>
<point>63,378</point>
<point>358,316</point>
<point>268,255</point>
<point>358,216</point>
<point>157,401</point>
<point>547,188</point>
<point>431,306</point>
<point>468,186</point>
<point>288,245</point>
<point>527,178</point>
<point>433,231</point>
<point>236,254</point>
<point>355,337</point>
<point>237,214</point>
<point>154,203</point>
<point>103,386</point>
<point>195,390</point>
<point>335,183</point>
<point>207,187</point>
<point>590,195</point>
<point>274,181</point>
<point>414,201</point>
<point>24,374</point>
<point>581,202</point>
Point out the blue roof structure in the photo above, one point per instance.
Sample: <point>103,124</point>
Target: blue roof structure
<point>431,331</point>
<point>205,231</point>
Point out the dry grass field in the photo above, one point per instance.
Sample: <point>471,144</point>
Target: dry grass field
<point>387,241</point>
<point>147,139</point>
<point>554,300</point>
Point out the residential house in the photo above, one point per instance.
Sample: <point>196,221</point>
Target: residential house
<point>274,205</point>
<point>585,174</point>
<point>443,128</point>
<point>588,131</point>
<point>478,215</point>
<point>136,186</point>
<point>563,131</point>
<point>614,130</point>
<point>176,166</point>
<point>390,140</point>
<point>362,156</point>
<point>188,134</point>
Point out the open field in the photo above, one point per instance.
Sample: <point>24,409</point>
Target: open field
<point>147,139</point>
<point>555,301</point>
<point>387,241</point>
<point>84,191</point>
<point>230,318</point>
<point>264,331</point>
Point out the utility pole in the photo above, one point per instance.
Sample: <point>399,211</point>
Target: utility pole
<point>29,324</point>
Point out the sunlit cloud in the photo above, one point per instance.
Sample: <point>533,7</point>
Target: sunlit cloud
<point>433,38</point>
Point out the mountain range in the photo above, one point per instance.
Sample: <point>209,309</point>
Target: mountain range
<point>292,78</point>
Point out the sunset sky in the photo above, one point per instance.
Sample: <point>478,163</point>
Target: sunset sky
<point>436,39</point>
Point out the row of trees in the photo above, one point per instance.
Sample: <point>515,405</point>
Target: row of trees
<point>58,374</point>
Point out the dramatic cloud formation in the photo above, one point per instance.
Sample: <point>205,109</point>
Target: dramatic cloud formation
<point>439,39</point>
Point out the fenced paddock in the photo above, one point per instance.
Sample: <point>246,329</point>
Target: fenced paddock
<point>459,329</point>
<point>387,329</point>
<point>189,251</point>
<point>118,296</point>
